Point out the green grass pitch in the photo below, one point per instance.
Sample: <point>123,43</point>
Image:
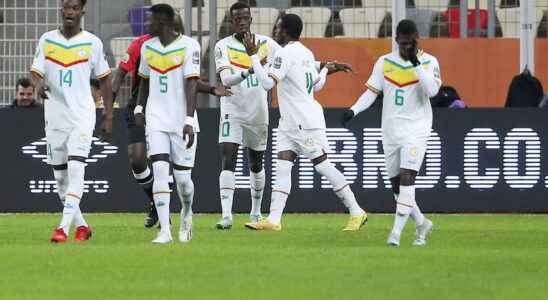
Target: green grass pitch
<point>468,257</point>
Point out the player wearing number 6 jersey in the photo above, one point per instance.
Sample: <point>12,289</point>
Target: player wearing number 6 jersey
<point>407,78</point>
<point>302,123</point>
<point>64,61</point>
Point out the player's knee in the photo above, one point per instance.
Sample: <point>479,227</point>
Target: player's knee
<point>184,180</point>
<point>256,167</point>
<point>283,175</point>
<point>138,162</point>
<point>407,177</point>
<point>395,181</point>
<point>334,176</point>
<point>161,176</point>
<point>229,164</point>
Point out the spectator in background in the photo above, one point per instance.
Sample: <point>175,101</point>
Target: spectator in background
<point>448,97</point>
<point>525,91</point>
<point>24,94</point>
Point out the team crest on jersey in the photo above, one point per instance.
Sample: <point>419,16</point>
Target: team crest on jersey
<point>277,63</point>
<point>177,59</point>
<point>413,151</point>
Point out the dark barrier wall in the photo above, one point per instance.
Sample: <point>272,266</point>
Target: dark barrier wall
<point>478,160</point>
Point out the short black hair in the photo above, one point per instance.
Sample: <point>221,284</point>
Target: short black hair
<point>94,83</point>
<point>82,2</point>
<point>293,25</point>
<point>239,5</point>
<point>406,26</point>
<point>164,10</point>
<point>24,82</point>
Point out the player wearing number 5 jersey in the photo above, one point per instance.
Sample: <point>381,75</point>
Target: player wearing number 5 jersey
<point>302,123</point>
<point>65,60</point>
<point>408,78</point>
<point>170,68</point>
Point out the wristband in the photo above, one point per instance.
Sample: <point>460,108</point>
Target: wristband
<point>138,110</point>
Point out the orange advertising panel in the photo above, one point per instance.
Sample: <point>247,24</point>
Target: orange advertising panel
<point>480,69</point>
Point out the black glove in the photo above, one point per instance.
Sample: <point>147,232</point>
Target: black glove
<point>347,116</point>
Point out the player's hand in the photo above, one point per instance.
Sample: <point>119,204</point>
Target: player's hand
<point>106,128</point>
<point>42,91</point>
<point>222,91</point>
<point>342,67</point>
<point>346,117</point>
<point>249,43</point>
<point>188,135</point>
<point>140,120</point>
<point>413,51</point>
<point>250,70</point>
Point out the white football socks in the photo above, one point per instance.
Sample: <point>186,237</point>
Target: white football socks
<point>341,188</point>
<point>227,184</point>
<point>404,206</point>
<point>416,214</point>
<point>257,182</point>
<point>281,190</point>
<point>162,193</point>
<point>74,191</point>
<point>185,190</point>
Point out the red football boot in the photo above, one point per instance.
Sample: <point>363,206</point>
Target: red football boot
<point>58,236</point>
<point>83,233</point>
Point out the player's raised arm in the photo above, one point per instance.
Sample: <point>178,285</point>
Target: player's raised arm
<point>429,79</point>
<point>320,81</point>
<point>336,67</point>
<point>219,90</point>
<point>227,74</point>
<point>251,48</point>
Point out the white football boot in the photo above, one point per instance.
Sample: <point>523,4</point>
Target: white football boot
<point>421,232</point>
<point>185,231</point>
<point>393,239</point>
<point>163,237</point>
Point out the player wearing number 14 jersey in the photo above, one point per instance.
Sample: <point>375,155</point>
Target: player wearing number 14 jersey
<point>407,77</point>
<point>64,61</point>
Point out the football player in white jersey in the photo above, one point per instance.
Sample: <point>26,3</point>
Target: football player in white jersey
<point>244,116</point>
<point>65,60</point>
<point>408,78</point>
<point>170,68</point>
<point>302,123</point>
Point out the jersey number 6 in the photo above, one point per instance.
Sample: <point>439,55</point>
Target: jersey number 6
<point>399,97</point>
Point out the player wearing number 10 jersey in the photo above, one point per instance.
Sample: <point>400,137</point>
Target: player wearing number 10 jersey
<point>407,77</point>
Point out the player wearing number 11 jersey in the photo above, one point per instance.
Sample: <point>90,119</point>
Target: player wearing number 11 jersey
<point>407,77</point>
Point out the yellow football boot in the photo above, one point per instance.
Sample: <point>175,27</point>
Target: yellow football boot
<point>356,222</point>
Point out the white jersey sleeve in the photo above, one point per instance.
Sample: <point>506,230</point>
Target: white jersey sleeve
<point>221,58</point>
<point>99,63</point>
<point>274,48</point>
<point>280,66</point>
<point>144,69</point>
<point>39,62</point>
<point>191,66</point>
<point>376,81</point>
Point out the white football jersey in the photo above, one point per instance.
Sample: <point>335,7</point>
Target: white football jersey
<point>294,69</point>
<point>406,111</point>
<point>66,66</point>
<point>249,100</point>
<point>168,68</point>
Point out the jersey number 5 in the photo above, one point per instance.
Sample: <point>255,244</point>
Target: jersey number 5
<point>65,77</point>
<point>399,97</point>
<point>163,84</point>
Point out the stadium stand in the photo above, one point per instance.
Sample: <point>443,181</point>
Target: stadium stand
<point>509,21</point>
<point>315,19</point>
<point>362,22</point>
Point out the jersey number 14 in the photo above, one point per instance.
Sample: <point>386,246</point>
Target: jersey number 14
<point>65,78</point>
